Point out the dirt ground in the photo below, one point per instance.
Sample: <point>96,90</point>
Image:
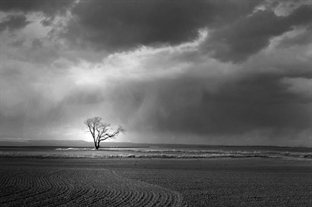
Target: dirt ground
<point>155,182</point>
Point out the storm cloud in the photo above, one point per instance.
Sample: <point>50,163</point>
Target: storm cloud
<point>247,35</point>
<point>206,72</point>
<point>13,23</point>
<point>120,25</point>
<point>46,6</point>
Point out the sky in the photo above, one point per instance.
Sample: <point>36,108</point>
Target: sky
<point>227,72</point>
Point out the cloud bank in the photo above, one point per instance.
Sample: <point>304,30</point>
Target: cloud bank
<point>206,72</point>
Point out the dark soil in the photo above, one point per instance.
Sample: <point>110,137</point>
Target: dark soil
<point>155,182</point>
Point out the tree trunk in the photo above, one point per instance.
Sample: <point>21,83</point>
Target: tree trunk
<point>97,145</point>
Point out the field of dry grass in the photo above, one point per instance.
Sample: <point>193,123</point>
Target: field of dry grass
<point>154,182</point>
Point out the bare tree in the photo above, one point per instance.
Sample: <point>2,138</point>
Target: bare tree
<point>101,131</point>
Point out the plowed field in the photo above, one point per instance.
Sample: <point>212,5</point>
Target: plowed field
<point>53,186</point>
<point>155,182</point>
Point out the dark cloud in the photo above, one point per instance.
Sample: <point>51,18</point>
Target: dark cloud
<point>247,35</point>
<point>118,25</point>
<point>48,7</point>
<point>13,22</point>
<point>300,39</point>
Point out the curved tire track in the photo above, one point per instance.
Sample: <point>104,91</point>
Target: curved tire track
<point>33,186</point>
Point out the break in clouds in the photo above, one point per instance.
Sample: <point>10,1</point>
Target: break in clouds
<point>200,72</point>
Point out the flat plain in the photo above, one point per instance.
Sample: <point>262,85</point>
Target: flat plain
<point>28,181</point>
